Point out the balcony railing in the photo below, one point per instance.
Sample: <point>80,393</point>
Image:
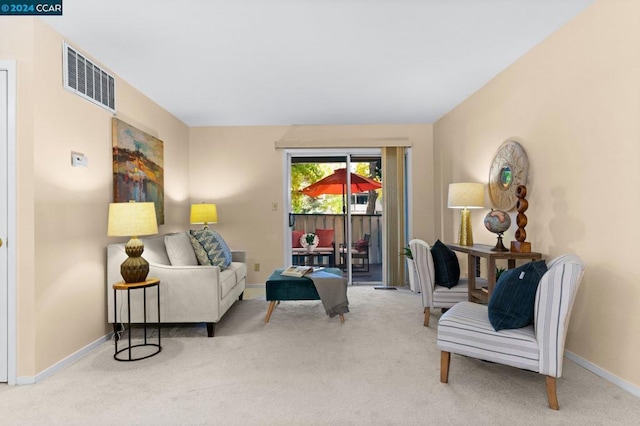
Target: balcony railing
<point>360,224</point>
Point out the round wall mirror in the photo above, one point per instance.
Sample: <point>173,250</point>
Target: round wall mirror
<point>509,168</point>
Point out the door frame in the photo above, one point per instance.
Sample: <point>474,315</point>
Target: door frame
<point>321,152</point>
<point>10,67</point>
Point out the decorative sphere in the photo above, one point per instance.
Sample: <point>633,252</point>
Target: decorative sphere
<point>497,221</point>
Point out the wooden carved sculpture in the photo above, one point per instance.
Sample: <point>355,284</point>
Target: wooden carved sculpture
<point>522,205</point>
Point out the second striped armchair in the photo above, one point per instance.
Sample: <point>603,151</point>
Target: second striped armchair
<point>465,329</point>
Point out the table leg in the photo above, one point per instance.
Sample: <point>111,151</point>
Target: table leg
<point>491,274</point>
<point>341,317</point>
<point>129,319</point>
<point>272,305</point>
<point>115,319</point>
<point>158,287</point>
<point>471,274</point>
<point>144,311</point>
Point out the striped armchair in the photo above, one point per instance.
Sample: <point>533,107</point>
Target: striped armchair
<point>434,295</point>
<point>465,329</point>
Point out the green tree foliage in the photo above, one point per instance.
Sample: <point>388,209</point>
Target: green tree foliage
<point>304,174</point>
<point>370,170</point>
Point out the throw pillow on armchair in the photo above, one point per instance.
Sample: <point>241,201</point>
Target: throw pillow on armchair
<point>361,245</point>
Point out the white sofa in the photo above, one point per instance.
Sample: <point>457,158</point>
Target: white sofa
<point>190,293</point>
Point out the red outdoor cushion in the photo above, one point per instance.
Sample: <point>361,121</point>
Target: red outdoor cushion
<point>325,237</point>
<point>361,245</point>
<point>295,238</point>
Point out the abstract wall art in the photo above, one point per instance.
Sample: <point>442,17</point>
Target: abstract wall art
<point>138,167</point>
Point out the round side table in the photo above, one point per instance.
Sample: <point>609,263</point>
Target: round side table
<point>120,286</point>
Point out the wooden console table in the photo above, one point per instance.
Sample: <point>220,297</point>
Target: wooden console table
<point>477,251</point>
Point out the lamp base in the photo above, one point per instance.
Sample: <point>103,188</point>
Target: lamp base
<point>499,246</point>
<point>136,268</point>
<point>465,237</point>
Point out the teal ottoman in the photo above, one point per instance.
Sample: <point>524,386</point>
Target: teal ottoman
<point>280,287</point>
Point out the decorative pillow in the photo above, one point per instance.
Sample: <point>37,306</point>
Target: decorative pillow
<point>217,250</point>
<point>361,245</point>
<point>295,238</point>
<point>445,263</point>
<point>325,237</point>
<point>180,250</point>
<point>513,298</point>
<point>200,252</point>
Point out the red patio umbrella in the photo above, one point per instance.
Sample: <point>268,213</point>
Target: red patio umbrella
<point>336,183</point>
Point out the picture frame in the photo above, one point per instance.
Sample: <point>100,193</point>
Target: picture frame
<point>138,167</point>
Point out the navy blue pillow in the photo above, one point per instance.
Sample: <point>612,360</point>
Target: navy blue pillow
<point>445,263</point>
<point>512,300</point>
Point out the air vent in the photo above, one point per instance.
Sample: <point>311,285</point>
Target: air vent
<point>88,80</point>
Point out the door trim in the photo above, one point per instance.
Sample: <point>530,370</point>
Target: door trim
<point>10,67</point>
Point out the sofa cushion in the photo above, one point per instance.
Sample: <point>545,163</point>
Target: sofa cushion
<point>228,280</point>
<point>180,250</point>
<point>295,238</point>
<point>217,250</point>
<point>445,262</point>
<point>513,298</point>
<point>325,237</point>
<point>240,269</point>
<point>154,250</point>
<point>199,251</point>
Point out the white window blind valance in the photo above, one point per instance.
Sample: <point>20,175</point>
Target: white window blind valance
<point>365,136</point>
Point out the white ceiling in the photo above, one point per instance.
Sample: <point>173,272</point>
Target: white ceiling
<point>281,62</point>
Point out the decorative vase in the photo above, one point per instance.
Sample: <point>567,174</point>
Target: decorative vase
<point>311,247</point>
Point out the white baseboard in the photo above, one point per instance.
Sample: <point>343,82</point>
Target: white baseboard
<point>632,389</point>
<point>29,380</point>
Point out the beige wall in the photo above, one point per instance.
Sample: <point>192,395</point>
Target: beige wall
<point>240,170</point>
<point>62,211</point>
<point>574,104</point>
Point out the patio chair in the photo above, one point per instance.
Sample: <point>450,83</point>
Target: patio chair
<point>359,250</point>
<point>465,329</point>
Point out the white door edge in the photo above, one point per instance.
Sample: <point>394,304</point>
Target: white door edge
<point>10,67</point>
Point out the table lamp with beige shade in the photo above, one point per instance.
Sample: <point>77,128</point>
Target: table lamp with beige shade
<point>204,213</point>
<point>133,220</point>
<point>465,196</point>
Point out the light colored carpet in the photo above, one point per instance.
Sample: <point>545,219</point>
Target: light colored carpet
<point>381,367</point>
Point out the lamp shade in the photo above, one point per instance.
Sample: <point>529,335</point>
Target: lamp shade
<point>132,219</point>
<point>466,195</point>
<point>204,213</point>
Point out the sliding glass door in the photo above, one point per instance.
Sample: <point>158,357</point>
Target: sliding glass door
<point>335,195</point>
